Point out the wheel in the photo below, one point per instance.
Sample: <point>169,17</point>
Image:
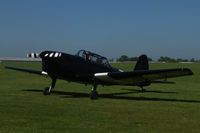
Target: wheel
<point>46,91</point>
<point>94,95</point>
<point>143,90</point>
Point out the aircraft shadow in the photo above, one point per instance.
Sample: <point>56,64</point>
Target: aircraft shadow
<point>149,91</point>
<point>116,96</point>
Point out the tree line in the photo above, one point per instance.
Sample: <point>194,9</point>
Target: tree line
<point>125,58</point>
<point>168,59</point>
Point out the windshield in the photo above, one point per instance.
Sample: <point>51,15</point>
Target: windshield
<point>93,58</point>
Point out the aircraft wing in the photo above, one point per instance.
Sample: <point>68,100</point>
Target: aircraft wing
<point>141,76</point>
<point>28,70</point>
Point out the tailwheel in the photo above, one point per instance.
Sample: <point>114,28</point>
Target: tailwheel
<point>143,90</point>
<point>93,95</point>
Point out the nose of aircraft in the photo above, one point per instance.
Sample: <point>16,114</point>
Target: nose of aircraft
<point>42,55</point>
<point>49,60</point>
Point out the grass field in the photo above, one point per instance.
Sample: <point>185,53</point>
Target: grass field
<point>119,109</point>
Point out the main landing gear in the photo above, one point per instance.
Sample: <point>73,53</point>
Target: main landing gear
<point>47,90</point>
<point>94,93</point>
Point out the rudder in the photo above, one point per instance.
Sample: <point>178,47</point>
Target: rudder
<point>142,63</point>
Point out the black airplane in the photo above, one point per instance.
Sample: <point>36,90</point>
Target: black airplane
<point>90,68</point>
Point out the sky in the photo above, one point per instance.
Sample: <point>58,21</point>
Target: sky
<point>108,27</point>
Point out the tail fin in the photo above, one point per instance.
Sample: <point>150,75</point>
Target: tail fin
<point>142,63</point>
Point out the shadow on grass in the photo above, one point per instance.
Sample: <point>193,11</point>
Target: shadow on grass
<point>149,91</point>
<point>116,96</point>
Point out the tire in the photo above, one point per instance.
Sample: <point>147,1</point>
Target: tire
<point>46,91</point>
<point>93,95</point>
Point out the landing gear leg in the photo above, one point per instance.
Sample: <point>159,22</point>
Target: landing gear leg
<point>143,90</point>
<point>47,90</point>
<point>94,93</point>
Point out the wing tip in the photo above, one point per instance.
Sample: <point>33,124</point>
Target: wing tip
<point>7,67</point>
<point>189,71</point>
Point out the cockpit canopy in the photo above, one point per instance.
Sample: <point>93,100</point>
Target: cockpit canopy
<point>93,58</point>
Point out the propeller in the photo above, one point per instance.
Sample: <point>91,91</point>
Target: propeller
<point>33,55</point>
<point>45,54</point>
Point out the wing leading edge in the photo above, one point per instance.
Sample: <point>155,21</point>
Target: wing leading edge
<point>28,70</point>
<point>141,76</point>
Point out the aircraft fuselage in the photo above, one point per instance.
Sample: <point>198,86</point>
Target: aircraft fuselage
<point>71,67</point>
